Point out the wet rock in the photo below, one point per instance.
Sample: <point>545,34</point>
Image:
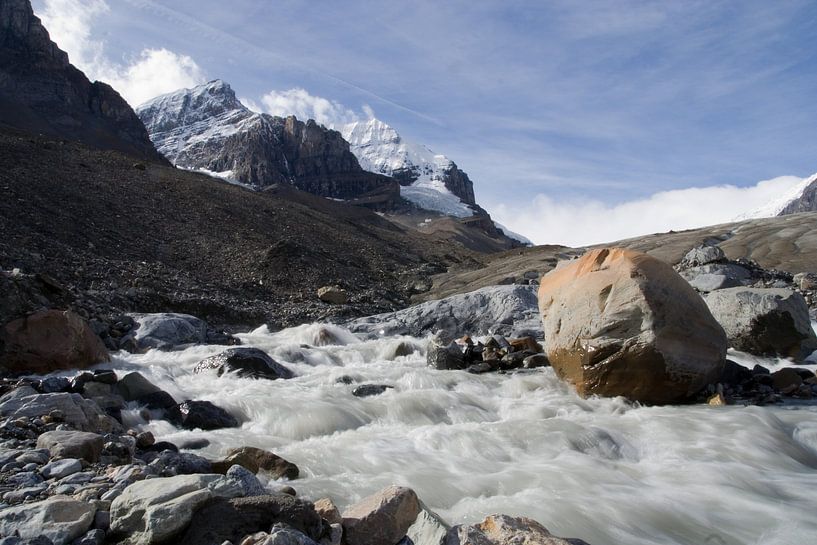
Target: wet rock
<point>168,331</point>
<point>50,340</point>
<point>72,444</point>
<point>367,390</point>
<point>619,322</point>
<point>59,518</point>
<point>230,520</point>
<point>786,380</point>
<point>328,511</point>
<point>505,530</point>
<point>201,414</point>
<point>734,373</point>
<point>383,517</point>
<point>144,440</point>
<point>536,360</point>
<point>765,321</point>
<point>195,444</point>
<point>333,295</point>
<point>245,362</point>
<point>483,367</point>
<point>61,468</point>
<point>51,385</point>
<point>443,353</point>
<point>508,310</point>
<point>255,460</point>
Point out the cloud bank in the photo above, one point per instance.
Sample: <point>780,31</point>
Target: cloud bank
<point>301,104</point>
<point>153,72</point>
<point>548,220</point>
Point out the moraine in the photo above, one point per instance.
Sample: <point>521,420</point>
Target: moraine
<point>523,443</point>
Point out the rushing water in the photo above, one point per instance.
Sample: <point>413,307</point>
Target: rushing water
<point>603,470</point>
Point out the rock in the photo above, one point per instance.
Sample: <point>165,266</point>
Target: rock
<point>507,310</point>
<point>245,362</point>
<point>92,537</point>
<point>156,510</point>
<point>72,444</point>
<point>443,353</point>
<point>708,278</point>
<point>281,534</point>
<point>50,340</point>
<point>428,528</point>
<point>734,373</point>
<point>201,414</point>
<point>717,400</point>
<point>222,520</point>
<point>702,255</point>
<point>525,343</point>
<point>76,411</point>
<point>168,331</point>
<point>51,385</point>
<point>383,517</point>
<point>255,460</point>
<point>505,530</point>
<point>367,390</point>
<point>144,440</point>
<point>59,518</point>
<point>328,511</point>
<point>169,463</point>
<point>333,295</point>
<point>806,281</point>
<point>38,457</point>
<point>246,481</point>
<point>765,321</point>
<point>619,322</point>
<point>786,379</point>
<point>135,387</point>
<point>534,361</point>
<point>21,494</point>
<point>61,468</point>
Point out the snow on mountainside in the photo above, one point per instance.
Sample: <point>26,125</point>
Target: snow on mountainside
<point>429,180</point>
<point>778,206</point>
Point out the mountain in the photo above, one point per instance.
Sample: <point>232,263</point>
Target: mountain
<point>41,92</point>
<point>800,197</point>
<point>429,180</point>
<point>207,128</point>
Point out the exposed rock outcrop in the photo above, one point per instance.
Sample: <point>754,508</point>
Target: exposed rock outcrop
<point>619,322</point>
<point>206,127</point>
<point>40,91</point>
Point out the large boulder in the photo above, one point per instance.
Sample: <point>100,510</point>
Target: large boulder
<point>505,530</point>
<point>383,517</point>
<point>245,362</point>
<point>619,322</point>
<point>230,520</point>
<point>765,321</point>
<point>78,412</point>
<point>504,310</point>
<point>157,510</point>
<point>256,459</point>
<point>72,444</point>
<point>59,518</point>
<point>135,387</point>
<point>168,331</point>
<point>50,340</point>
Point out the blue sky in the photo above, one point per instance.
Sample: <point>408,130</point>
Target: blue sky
<point>549,106</point>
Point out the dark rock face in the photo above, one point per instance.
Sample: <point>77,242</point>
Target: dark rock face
<point>40,91</point>
<point>459,184</point>
<point>207,127</point>
<point>246,362</point>
<point>806,202</point>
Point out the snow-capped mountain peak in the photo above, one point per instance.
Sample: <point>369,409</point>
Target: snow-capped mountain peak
<point>800,197</point>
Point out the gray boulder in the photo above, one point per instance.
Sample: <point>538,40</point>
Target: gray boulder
<point>59,518</point>
<point>383,517</point>
<point>78,412</point>
<point>702,255</point>
<point>168,331</point>
<point>506,310</point>
<point>245,362</point>
<point>711,277</point>
<point>72,444</point>
<point>764,321</point>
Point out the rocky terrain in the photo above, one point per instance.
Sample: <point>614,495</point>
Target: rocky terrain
<point>41,92</point>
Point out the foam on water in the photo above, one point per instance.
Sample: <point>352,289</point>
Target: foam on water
<point>603,470</point>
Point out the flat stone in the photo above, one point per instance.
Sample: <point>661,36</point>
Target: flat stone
<point>72,444</point>
<point>61,468</point>
<point>59,518</point>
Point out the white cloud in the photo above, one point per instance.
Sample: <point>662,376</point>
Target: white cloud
<point>301,104</point>
<point>151,73</point>
<point>582,222</point>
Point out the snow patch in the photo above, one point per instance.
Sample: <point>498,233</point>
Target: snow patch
<point>775,206</point>
<point>510,234</point>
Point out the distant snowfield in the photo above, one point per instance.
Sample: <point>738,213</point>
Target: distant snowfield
<point>547,219</point>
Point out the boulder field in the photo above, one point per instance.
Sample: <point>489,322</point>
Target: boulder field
<point>621,323</point>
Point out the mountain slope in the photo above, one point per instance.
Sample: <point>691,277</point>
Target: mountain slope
<point>806,200</point>
<point>801,196</point>
<point>207,128</point>
<point>431,181</point>
<point>41,92</point>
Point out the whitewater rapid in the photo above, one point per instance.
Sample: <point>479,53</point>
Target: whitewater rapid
<point>524,443</point>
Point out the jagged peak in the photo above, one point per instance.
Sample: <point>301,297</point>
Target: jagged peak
<point>213,94</point>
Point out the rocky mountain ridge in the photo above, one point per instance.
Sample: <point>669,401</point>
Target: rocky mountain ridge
<point>806,201</point>
<point>41,92</point>
<point>207,128</point>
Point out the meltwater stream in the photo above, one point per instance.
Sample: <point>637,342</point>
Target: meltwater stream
<point>603,470</point>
